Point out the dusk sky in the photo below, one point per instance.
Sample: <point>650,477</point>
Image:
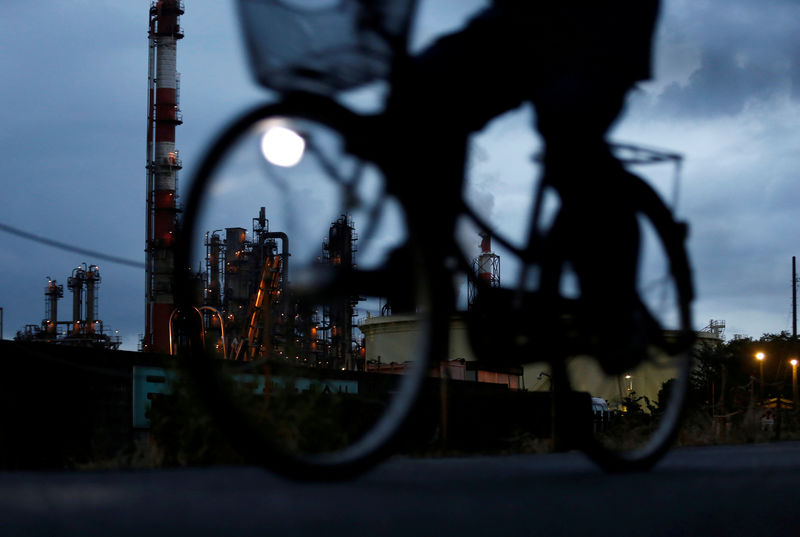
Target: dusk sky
<point>725,95</point>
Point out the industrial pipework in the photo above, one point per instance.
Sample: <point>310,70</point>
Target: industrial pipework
<point>88,277</point>
<point>163,115</point>
<point>84,329</point>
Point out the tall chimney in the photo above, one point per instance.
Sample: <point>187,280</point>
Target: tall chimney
<point>163,163</point>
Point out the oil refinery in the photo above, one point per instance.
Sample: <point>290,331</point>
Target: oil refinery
<point>243,290</point>
<point>251,310</point>
<point>247,307</point>
<point>85,329</point>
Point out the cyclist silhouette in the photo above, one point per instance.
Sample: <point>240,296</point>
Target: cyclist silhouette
<point>575,62</point>
<point>575,66</point>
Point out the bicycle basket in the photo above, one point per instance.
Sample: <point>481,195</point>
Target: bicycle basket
<point>323,46</point>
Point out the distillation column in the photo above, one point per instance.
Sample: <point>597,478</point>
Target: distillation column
<point>75,284</point>
<point>92,280</point>
<point>162,167</point>
<point>340,249</point>
<point>52,293</point>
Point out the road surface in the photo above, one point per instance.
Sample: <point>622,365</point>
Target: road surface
<point>708,491</point>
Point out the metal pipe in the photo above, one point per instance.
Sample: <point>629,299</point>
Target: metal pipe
<point>284,253</point>
<point>221,328</point>
<point>170,321</point>
<point>147,341</point>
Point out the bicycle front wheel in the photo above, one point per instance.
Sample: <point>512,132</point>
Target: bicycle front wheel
<point>637,370</point>
<point>301,255</point>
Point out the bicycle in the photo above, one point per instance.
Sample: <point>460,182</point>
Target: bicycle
<point>297,393</point>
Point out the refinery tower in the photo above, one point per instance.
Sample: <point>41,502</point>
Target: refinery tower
<point>163,115</point>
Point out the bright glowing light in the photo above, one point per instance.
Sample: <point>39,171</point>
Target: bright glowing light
<point>760,356</point>
<point>282,146</point>
<point>793,361</point>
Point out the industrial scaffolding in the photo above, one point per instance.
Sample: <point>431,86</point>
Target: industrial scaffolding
<point>249,310</point>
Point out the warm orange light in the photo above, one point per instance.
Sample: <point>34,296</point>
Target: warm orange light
<point>760,356</point>
<point>793,361</point>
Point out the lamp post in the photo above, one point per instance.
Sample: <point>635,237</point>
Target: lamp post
<point>760,357</point>
<point>794,362</point>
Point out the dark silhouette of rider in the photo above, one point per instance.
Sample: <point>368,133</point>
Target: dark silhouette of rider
<point>576,62</point>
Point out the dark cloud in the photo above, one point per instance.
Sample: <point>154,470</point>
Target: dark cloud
<point>722,86</point>
<point>746,50</point>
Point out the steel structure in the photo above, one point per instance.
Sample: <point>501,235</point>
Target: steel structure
<point>338,318</point>
<point>85,328</point>
<point>486,266</point>
<point>247,299</point>
<point>163,163</point>
<point>244,282</point>
<point>88,278</point>
<point>52,293</point>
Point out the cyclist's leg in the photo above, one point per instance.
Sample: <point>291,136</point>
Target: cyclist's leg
<point>602,244</point>
<point>597,220</point>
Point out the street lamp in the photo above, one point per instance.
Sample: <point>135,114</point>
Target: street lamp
<point>793,361</point>
<point>760,357</point>
<point>629,386</point>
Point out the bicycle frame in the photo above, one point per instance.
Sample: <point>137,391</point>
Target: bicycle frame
<point>391,140</point>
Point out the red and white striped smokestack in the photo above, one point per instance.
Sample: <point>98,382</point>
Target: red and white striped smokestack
<point>488,263</point>
<point>162,167</point>
<point>486,243</point>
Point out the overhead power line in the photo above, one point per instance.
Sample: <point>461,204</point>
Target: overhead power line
<point>70,248</point>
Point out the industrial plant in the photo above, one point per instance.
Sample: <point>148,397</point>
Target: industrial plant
<point>250,312</point>
<point>248,305</point>
<point>243,292</point>
<point>85,329</point>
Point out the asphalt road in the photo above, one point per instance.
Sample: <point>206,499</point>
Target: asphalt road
<point>724,490</point>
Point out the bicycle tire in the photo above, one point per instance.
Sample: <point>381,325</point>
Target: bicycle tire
<point>636,447</point>
<point>253,442</point>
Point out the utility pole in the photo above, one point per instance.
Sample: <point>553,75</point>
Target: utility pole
<point>794,297</point>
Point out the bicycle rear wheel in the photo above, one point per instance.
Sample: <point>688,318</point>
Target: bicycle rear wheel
<point>638,393</point>
<point>297,361</point>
